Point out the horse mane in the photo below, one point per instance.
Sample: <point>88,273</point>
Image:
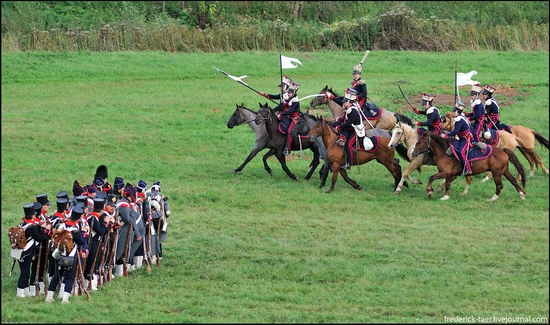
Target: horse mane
<point>440,141</point>
<point>335,93</point>
<point>402,118</point>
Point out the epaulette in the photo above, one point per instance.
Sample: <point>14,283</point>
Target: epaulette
<point>361,82</point>
<point>293,100</point>
<point>431,110</point>
<point>476,102</point>
<point>122,204</point>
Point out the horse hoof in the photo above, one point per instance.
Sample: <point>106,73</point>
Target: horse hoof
<point>397,191</point>
<point>494,197</point>
<point>234,172</point>
<point>430,195</point>
<point>445,198</point>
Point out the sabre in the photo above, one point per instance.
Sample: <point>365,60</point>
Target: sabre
<point>309,96</point>
<point>239,80</point>
<point>405,97</point>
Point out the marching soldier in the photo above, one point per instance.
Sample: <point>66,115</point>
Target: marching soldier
<point>34,235</point>
<point>128,232</point>
<point>68,272</point>
<point>98,227</point>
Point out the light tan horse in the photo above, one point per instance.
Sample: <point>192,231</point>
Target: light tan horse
<point>386,121</point>
<point>510,141</point>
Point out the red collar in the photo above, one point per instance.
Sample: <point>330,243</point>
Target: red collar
<point>70,223</point>
<point>30,221</point>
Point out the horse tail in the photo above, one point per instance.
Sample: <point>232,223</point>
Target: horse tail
<point>403,118</point>
<point>402,151</point>
<point>515,161</point>
<point>529,153</point>
<point>541,139</point>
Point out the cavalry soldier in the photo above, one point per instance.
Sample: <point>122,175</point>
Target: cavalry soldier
<point>492,110</point>
<point>477,116</point>
<point>432,113</point>
<point>345,124</point>
<point>128,232</point>
<point>35,235</point>
<point>68,273</point>
<point>360,86</point>
<point>462,130</point>
<point>289,113</point>
<point>283,87</point>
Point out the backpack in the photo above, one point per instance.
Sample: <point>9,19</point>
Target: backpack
<point>62,240</point>
<point>17,237</point>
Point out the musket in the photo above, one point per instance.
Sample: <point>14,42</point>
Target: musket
<point>94,261</point>
<point>112,256</point>
<point>126,251</point>
<point>158,228</point>
<point>145,251</point>
<point>102,261</point>
<point>37,278</point>
<point>81,278</point>
<point>405,97</point>
<point>456,81</point>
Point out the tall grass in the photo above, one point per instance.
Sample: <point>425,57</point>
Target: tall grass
<point>258,249</point>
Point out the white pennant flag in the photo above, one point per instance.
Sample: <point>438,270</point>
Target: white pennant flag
<point>289,63</point>
<point>463,79</point>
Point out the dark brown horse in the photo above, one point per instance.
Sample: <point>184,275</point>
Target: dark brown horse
<point>278,140</point>
<point>335,155</point>
<point>449,166</point>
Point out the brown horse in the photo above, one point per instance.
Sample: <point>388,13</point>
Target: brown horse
<point>525,143</point>
<point>449,166</point>
<point>386,121</point>
<point>336,155</point>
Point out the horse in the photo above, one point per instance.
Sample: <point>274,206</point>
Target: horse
<point>335,154</point>
<point>449,166</point>
<point>386,120</point>
<point>525,143</point>
<point>243,115</point>
<point>267,116</point>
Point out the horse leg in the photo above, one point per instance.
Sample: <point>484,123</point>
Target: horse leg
<point>351,182</point>
<point>335,171</point>
<point>530,156</point>
<point>251,155</point>
<point>282,160</point>
<point>323,174</point>
<point>270,153</point>
<point>414,164</point>
<point>498,183</point>
<point>514,182</point>
<point>469,179</point>
<point>488,177</point>
<point>432,178</point>
<point>314,164</point>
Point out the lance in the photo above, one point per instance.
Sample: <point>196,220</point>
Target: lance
<point>456,82</point>
<point>405,97</point>
<point>239,80</point>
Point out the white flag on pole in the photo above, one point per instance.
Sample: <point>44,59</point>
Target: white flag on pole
<point>463,79</point>
<point>289,63</point>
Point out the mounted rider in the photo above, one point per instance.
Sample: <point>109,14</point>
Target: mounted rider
<point>289,113</point>
<point>477,116</point>
<point>460,137</point>
<point>492,110</point>
<point>345,123</point>
<point>434,118</point>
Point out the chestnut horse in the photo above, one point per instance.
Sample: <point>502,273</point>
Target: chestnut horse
<point>336,155</point>
<point>386,121</point>
<point>525,143</point>
<point>449,166</point>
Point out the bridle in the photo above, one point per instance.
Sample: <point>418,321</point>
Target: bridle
<point>427,150</point>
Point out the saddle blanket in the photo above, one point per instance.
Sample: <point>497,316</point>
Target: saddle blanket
<point>495,136</point>
<point>372,112</point>
<point>475,153</point>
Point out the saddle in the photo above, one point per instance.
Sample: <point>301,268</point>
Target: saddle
<point>372,112</point>
<point>494,137</point>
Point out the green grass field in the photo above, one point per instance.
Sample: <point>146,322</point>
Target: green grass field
<point>250,248</point>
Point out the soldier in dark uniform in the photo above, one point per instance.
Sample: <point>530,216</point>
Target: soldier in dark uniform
<point>127,211</point>
<point>289,113</point>
<point>344,124</point>
<point>432,113</point>
<point>57,220</point>
<point>477,116</point>
<point>462,130</point>
<point>118,187</point>
<point>138,253</point>
<point>98,227</point>
<point>492,111</point>
<point>109,215</point>
<point>283,87</point>
<point>34,235</point>
<point>43,199</point>
<point>68,273</point>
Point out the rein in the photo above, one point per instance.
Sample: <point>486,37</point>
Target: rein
<point>427,150</point>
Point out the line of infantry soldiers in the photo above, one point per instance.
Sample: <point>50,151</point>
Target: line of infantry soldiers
<point>115,227</point>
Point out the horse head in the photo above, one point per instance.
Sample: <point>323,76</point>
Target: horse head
<point>263,114</point>
<point>319,100</point>
<point>236,118</point>
<point>396,136</point>
<point>422,145</point>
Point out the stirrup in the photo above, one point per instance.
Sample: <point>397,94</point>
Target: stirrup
<point>286,152</point>
<point>341,142</point>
